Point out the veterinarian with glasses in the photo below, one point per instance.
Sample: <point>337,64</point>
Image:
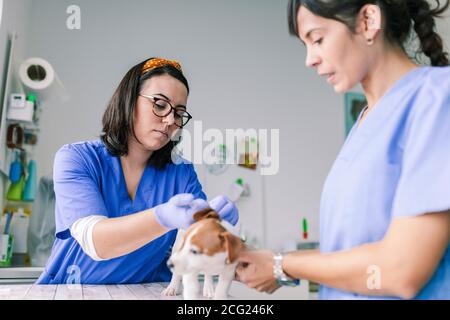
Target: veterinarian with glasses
<point>384,214</point>
<point>120,199</point>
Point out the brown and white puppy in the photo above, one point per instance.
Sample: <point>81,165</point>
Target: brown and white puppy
<point>206,248</point>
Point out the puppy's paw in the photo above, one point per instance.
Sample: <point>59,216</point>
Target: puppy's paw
<point>208,290</point>
<point>221,296</point>
<point>171,291</point>
<point>188,295</point>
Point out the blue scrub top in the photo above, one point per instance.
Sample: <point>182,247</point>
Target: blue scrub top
<point>88,180</point>
<point>396,164</point>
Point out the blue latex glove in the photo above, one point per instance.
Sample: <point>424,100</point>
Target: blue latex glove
<point>178,211</point>
<point>226,209</point>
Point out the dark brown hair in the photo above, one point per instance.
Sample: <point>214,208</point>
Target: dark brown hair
<point>401,16</point>
<point>118,119</point>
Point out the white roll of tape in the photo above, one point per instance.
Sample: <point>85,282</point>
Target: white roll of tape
<point>37,76</point>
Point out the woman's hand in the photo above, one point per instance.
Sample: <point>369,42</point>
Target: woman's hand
<point>255,269</point>
<point>178,211</point>
<point>226,209</point>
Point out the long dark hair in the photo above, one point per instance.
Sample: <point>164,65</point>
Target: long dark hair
<point>401,16</point>
<point>118,119</point>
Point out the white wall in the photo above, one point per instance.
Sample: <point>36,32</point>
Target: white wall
<point>443,27</point>
<point>245,71</point>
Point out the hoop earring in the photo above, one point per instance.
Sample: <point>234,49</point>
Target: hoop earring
<point>370,41</point>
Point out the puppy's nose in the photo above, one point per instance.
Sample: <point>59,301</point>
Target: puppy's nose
<point>170,264</point>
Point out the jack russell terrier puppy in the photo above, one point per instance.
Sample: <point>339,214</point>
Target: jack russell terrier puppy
<point>205,248</point>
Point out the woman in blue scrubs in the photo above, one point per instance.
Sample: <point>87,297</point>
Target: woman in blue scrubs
<point>120,199</point>
<point>385,206</point>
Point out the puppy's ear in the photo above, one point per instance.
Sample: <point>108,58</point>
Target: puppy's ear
<point>206,213</point>
<point>233,245</point>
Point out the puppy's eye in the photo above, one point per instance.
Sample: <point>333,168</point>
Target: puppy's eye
<point>194,251</point>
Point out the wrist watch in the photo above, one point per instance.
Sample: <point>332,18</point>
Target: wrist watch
<point>282,278</point>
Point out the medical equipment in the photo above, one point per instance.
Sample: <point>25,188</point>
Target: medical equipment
<point>20,108</point>
<point>305,228</point>
<point>29,191</point>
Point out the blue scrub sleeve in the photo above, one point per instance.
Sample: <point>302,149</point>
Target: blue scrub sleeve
<point>77,192</point>
<point>193,186</point>
<point>424,184</point>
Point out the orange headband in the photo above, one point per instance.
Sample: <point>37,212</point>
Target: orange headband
<point>159,62</point>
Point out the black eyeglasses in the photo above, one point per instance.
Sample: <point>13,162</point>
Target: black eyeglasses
<point>162,108</point>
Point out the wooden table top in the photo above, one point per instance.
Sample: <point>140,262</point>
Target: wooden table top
<point>146,291</point>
